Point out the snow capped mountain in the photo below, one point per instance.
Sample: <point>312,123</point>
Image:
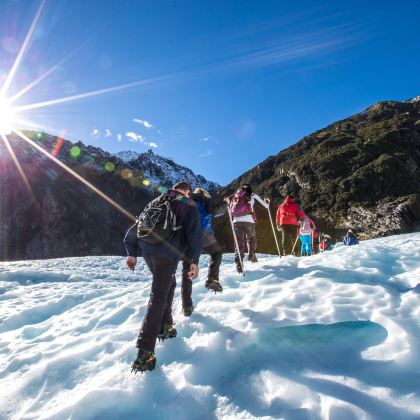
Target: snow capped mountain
<point>59,216</point>
<point>127,155</point>
<point>333,336</point>
<point>413,100</point>
<point>163,171</point>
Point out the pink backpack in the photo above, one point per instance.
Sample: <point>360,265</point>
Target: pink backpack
<point>305,226</point>
<point>239,206</point>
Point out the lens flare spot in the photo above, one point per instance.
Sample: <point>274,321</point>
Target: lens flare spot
<point>134,182</point>
<point>146,182</point>
<point>109,166</point>
<point>163,190</point>
<point>126,173</point>
<point>75,151</point>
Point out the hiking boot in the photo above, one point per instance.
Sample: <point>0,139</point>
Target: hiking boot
<point>214,284</point>
<point>168,331</point>
<point>187,310</point>
<point>145,360</point>
<point>253,258</point>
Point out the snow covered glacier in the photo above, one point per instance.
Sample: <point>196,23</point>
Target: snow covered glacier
<point>332,336</point>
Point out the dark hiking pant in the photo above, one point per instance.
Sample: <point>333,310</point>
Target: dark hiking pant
<point>288,238</point>
<point>159,309</point>
<point>247,239</point>
<point>215,252</point>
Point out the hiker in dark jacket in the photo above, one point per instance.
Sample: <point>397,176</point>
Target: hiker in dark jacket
<point>206,209</point>
<point>242,210</point>
<point>287,218</point>
<point>350,239</point>
<point>162,257</point>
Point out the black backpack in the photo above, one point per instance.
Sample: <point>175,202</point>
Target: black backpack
<point>157,222</point>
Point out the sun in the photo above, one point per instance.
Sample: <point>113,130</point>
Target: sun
<point>7,115</point>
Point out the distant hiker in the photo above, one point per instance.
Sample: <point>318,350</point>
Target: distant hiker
<point>168,230</point>
<point>315,241</point>
<point>241,207</point>
<point>325,243</point>
<point>287,217</point>
<point>306,229</point>
<point>350,238</point>
<point>206,209</point>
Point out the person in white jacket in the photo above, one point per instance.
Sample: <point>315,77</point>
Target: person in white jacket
<point>242,210</point>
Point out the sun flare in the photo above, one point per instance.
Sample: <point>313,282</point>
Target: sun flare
<point>7,115</point>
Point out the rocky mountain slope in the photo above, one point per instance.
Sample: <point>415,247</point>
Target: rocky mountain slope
<point>362,172</point>
<point>63,217</point>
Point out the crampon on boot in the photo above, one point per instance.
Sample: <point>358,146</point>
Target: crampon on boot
<point>168,331</point>
<point>187,310</point>
<point>214,284</point>
<point>145,360</point>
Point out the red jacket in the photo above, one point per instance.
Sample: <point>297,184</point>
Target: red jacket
<point>288,213</point>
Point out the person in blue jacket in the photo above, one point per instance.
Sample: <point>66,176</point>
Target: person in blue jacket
<point>206,209</point>
<point>162,257</point>
<point>350,239</point>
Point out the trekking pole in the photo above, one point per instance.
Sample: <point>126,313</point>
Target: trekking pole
<point>293,249</point>
<point>274,232</point>
<point>235,239</point>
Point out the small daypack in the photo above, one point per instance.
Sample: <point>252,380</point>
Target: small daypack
<point>306,228</point>
<point>239,206</point>
<point>157,222</point>
<point>350,240</point>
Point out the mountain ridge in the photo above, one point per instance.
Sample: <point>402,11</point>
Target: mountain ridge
<point>361,172</point>
<point>61,216</point>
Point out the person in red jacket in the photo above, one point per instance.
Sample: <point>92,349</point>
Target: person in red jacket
<point>288,215</point>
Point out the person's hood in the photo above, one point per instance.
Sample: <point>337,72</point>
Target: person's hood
<point>289,200</point>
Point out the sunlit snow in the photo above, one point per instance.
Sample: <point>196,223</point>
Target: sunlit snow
<point>332,336</point>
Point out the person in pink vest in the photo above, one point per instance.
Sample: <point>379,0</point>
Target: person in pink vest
<point>242,210</point>
<point>306,231</point>
<point>287,218</point>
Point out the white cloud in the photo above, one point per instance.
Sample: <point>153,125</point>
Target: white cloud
<point>151,144</point>
<point>206,154</point>
<point>144,123</point>
<point>119,137</point>
<point>108,132</point>
<point>132,136</point>
<point>208,139</point>
<point>95,133</point>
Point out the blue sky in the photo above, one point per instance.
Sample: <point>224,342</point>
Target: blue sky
<point>217,86</point>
